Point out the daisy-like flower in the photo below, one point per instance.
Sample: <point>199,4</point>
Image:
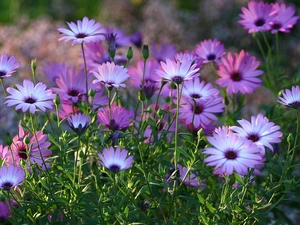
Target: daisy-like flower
<point>163,51</point>
<point>53,70</point>
<point>291,98</point>
<point>11,176</point>
<point>35,152</point>
<point>202,111</point>
<point>260,131</point>
<point>71,85</point>
<point>285,19</point>
<point>210,50</point>
<point>111,75</point>
<point>4,211</point>
<point>176,71</point>
<point>79,122</point>
<point>120,118</point>
<point>193,89</point>
<point>115,160</point>
<point>257,17</point>
<point>84,31</point>
<point>8,65</point>
<point>238,73</point>
<point>231,153</point>
<point>67,110</point>
<point>30,97</point>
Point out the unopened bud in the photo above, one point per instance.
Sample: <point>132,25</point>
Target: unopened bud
<point>145,52</point>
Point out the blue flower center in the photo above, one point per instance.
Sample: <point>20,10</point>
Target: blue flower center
<point>115,168</point>
<point>30,100</point>
<point>7,185</point>
<point>2,73</point>
<point>211,57</point>
<point>230,154</point>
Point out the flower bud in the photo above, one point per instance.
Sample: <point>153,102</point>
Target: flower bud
<point>145,52</point>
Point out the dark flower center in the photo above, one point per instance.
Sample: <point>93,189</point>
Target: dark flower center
<point>253,137</point>
<point>236,76</point>
<point>195,95</point>
<point>21,150</point>
<point>276,26</point>
<point>177,79</point>
<point>259,22</point>
<point>3,218</point>
<point>198,109</point>
<point>230,154</point>
<point>81,35</point>
<point>7,185</point>
<point>2,73</point>
<point>30,100</point>
<point>73,92</point>
<point>295,104</point>
<point>115,168</point>
<point>211,57</point>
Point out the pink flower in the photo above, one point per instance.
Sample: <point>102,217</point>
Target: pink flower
<point>111,75</point>
<point>285,19</point>
<point>238,73</point>
<point>30,97</point>
<point>260,131</point>
<point>291,98</point>
<point>210,50</point>
<point>231,153</point>
<point>84,31</point>
<point>8,65</point>
<point>257,17</point>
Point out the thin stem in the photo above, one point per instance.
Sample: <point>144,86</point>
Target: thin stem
<point>86,73</point>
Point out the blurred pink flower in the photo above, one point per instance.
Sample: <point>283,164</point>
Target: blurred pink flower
<point>238,73</point>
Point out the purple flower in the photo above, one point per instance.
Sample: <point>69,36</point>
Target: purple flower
<point>8,65</point>
<point>11,176</point>
<point>189,179</point>
<point>257,17</point>
<point>231,153</point>
<point>210,50</point>
<point>53,70</point>
<point>291,98</point>
<point>260,131</point>
<point>201,110</point>
<point>4,211</point>
<point>193,89</point>
<point>84,31</point>
<point>238,73</point>
<point>285,19</point>
<point>35,152</point>
<point>115,160</point>
<point>163,51</point>
<point>120,118</point>
<point>177,71</point>
<point>30,97</point>
<point>111,75</point>
<point>71,85</point>
<point>120,38</point>
<point>79,122</point>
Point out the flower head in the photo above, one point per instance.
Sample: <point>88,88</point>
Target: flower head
<point>4,211</point>
<point>231,153</point>
<point>11,176</point>
<point>36,151</point>
<point>8,65</point>
<point>111,75</point>
<point>285,19</point>
<point>30,97</point>
<point>257,17</point>
<point>163,51</point>
<point>120,117</point>
<point>238,73</point>
<point>79,122</point>
<point>84,31</point>
<point>260,131</point>
<point>291,98</point>
<point>53,70</point>
<point>115,160</point>
<point>210,50</point>
<point>189,179</point>
<point>176,71</point>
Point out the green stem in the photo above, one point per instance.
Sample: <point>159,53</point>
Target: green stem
<point>86,74</point>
